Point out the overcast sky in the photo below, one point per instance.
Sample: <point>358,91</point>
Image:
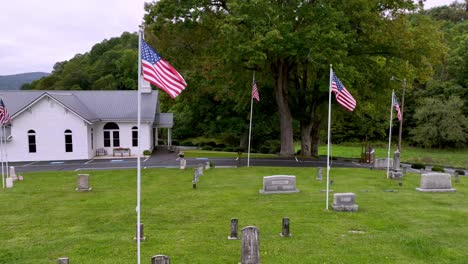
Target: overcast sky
<point>35,34</point>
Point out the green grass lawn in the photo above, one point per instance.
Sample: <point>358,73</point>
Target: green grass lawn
<point>447,158</point>
<point>44,218</point>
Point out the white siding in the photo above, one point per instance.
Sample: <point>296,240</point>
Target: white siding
<point>49,120</point>
<point>125,136</point>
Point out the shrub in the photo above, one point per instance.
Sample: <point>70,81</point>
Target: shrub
<point>209,143</point>
<point>207,148</point>
<point>220,146</point>
<point>147,152</point>
<point>217,149</point>
<point>460,172</point>
<point>175,143</point>
<point>264,149</point>
<point>187,143</point>
<point>438,169</point>
<point>418,166</point>
<point>229,149</point>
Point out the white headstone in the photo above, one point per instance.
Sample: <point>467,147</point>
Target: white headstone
<point>13,173</point>
<point>436,182</point>
<point>9,183</point>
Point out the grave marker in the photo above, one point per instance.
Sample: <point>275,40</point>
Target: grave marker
<point>234,228</point>
<point>285,228</point>
<point>160,259</point>
<point>250,253</point>
<point>319,174</point>
<point>142,235</point>
<point>63,260</point>
<point>83,183</point>
<point>436,182</point>
<point>345,202</point>
<point>279,184</point>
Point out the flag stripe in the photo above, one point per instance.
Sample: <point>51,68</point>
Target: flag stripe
<point>397,107</point>
<point>255,94</point>
<point>4,115</point>
<point>159,72</point>
<point>343,97</point>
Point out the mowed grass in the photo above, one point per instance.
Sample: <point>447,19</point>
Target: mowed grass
<point>441,157</point>
<point>44,218</point>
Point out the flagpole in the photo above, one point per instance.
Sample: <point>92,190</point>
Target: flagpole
<point>250,126</point>
<point>390,135</point>
<point>328,134</point>
<point>1,157</point>
<point>138,149</point>
<point>7,171</point>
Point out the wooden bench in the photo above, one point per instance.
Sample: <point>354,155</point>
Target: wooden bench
<point>121,151</point>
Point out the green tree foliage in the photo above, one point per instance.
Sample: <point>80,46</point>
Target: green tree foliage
<point>440,123</point>
<point>290,44</point>
<point>110,65</point>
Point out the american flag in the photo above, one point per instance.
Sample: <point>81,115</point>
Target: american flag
<point>343,97</point>
<point>255,92</point>
<point>4,115</point>
<point>159,72</point>
<point>397,107</point>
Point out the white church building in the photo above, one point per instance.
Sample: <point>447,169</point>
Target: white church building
<point>72,125</point>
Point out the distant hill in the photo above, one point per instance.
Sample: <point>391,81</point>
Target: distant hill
<point>14,82</point>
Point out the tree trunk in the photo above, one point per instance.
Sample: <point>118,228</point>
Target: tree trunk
<point>281,70</point>
<point>315,135</point>
<point>306,128</point>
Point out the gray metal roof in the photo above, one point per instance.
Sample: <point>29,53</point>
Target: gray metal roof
<point>90,105</point>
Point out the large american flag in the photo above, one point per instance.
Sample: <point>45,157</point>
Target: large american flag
<point>397,107</point>
<point>4,115</point>
<point>343,97</point>
<point>255,94</point>
<point>159,72</point>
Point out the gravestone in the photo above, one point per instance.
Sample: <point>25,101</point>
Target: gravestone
<point>83,183</point>
<point>457,177</point>
<point>207,165</point>
<point>9,183</point>
<point>381,163</point>
<point>234,228</point>
<point>345,202</point>
<point>13,173</point>
<point>196,175</point>
<point>250,253</point>
<point>63,261</point>
<point>279,184</point>
<point>396,172</point>
<point>200,169</point>
<point>285,228</point>
<point>160,259</point>
<point>183,164</point>
<point>142,235</point>
<point>319,174</point>
<point>436,182</point>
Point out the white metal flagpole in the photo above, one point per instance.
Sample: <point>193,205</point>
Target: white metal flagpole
<point>7,169</point>
<point>328,134</point>
<point>250,126</point>
<point>1,157</point>
<point>139,150</point>
<point>390,135</point>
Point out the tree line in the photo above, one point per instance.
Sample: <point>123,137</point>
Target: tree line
<point>289,44</point>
